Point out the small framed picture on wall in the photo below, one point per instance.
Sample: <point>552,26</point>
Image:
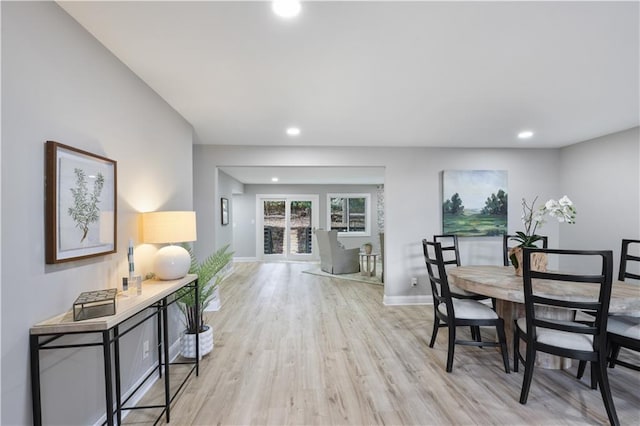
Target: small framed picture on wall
<point>224,210</point>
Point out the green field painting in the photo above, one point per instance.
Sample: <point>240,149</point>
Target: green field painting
<point>474,225</point>
<point>474,203</point>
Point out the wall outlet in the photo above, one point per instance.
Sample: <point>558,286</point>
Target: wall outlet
<point>414,281</point>
<point>145,349</point>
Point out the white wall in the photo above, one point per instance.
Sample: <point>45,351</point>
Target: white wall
<point>602,177</point>
<point>412,195</point>
<point>59,83</point>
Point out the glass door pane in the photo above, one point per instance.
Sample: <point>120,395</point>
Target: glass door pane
<point>274,220</point>
<point>285,226</point>
<point>300,227</point>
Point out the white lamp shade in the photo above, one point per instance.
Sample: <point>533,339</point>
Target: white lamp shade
<point>169,227</point>
<point>171,263</point>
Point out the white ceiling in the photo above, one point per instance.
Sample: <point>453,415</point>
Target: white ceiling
<point>463,74</point>
<point>381,73</point>
<point>308,175</point>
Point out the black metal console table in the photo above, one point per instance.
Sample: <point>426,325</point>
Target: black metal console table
<point>156,297</point>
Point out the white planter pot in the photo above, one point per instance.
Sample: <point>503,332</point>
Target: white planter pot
<point>188,343</point>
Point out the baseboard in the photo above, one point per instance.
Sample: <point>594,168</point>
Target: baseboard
<point>245,259</point>
<point>407,300</point>
<point>174,351</point>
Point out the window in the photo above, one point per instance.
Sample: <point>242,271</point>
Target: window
<point>349,214</point>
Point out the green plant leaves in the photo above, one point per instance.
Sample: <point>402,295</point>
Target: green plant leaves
<point>208,279</point>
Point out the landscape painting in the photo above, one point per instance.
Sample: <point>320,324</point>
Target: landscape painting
<point>474,202</point>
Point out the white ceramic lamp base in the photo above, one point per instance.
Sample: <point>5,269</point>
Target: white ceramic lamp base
<point>171,263</point>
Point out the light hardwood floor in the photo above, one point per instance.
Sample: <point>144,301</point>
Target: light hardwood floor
<point>299,349</point>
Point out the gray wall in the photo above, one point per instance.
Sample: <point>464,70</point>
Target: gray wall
<point>227,186</point>
<point>209,186</point>
<point>589,173</point>
<point>602,177</point>
<point>59,83</point>
<point>244,220</point>
<point>412,195</point>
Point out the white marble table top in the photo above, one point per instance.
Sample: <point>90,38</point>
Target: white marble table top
<point>501,282</point>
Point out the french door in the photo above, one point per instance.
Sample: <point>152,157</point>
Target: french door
<point>285,226</point>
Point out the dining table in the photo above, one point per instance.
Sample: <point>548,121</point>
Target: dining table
<point>502,284</point>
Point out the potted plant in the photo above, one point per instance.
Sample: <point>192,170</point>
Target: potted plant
<point>367,248</point>
<point>563,210</point>
<point>209,277</point>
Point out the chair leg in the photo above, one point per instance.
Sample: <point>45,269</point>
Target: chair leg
<point>529,364</point>
<point>602,377</point>
<point>475,333</point>
<point>615,351</point>
<point>516,348</point>
<point>436,326</point>
<point>451,348</point>
<point>581,366</point>
<point>594,375</point>
<point>502,338</point>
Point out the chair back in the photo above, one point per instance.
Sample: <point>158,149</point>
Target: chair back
<point>326,241</point>
<point>505,246</point>
<point>437,275</point>
<point>626,258</point>
<point>546,294</point>
<point>449,245</point>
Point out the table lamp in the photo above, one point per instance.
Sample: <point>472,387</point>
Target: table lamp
<point>173,261</point>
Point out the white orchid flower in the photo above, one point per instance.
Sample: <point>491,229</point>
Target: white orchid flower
<point>565,201</point>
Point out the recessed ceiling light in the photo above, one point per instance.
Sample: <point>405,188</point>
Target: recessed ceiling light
<point>525,134</point>
<point>274,179</point>
<point>286,8</point>
<point>293,131</point>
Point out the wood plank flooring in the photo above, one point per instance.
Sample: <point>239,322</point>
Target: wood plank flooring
<point>299,349</point>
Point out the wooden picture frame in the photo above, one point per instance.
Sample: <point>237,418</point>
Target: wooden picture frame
<point>80,204</point>
<point>224,211</point>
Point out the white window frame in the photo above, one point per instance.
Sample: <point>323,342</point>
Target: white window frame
<point>367,213</point>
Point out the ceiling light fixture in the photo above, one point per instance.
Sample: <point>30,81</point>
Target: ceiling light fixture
<point>525,134</point>
<point>293,131</point>
<point>286,8</point>
<point>274,179</point>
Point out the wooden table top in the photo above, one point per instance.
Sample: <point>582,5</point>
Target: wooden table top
<point>126,306</point>
<point>501,282</point>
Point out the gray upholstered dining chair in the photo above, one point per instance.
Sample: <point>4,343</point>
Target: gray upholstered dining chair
<point>458,312</point>
<point>586,340</point>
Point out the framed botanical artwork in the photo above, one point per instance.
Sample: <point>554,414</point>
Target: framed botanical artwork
<point>80,204</point>
<point>474,202</point>
<point>224,211</point>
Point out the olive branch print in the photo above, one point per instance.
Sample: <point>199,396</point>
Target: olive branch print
<point>85,208</point>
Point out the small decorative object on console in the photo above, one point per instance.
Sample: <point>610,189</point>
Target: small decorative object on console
<point>94,304</point>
